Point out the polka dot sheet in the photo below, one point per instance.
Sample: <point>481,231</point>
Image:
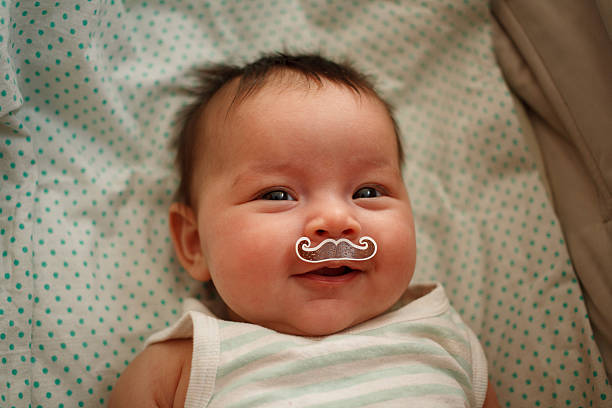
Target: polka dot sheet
<point>87,95</point>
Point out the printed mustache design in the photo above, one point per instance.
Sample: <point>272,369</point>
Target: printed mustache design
<point>336,250</point>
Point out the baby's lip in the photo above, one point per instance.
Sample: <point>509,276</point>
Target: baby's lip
<point>327,277</point>
<point>336,263</point>
<point>343,270</point>
<point>334,268</point>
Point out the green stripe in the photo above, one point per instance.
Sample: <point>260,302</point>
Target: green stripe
<point>437,334</point>
<point>295,367</point>
<point>254,355</point>
<point>422,330</point>
<point>242,339</point>
<point>430,390</point>
<point>341,383</point>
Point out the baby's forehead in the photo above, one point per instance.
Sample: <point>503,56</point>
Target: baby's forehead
<point>226,104</point>
<point>239,99</point>
<point>235,98</point>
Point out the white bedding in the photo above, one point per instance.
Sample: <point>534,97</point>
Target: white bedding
<point>87,272</point>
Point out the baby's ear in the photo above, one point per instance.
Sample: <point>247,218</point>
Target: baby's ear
<point>184,233</point>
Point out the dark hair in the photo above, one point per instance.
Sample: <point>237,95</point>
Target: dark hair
<point>253,76</point>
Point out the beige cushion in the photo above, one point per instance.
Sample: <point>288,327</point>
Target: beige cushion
<point>557,56</point>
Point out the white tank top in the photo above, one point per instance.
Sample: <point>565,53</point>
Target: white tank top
<point>418,354</point>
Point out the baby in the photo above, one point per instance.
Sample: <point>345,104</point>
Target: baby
<point>292,204</point>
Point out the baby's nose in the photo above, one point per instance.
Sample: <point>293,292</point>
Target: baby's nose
<point>334,220</point>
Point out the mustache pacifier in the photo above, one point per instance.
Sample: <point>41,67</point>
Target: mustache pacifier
<point>335,250</point>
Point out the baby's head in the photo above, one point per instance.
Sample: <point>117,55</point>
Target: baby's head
<point>283,148</point>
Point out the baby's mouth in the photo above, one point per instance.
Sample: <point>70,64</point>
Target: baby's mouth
<point>332,274</point>
<point>340,271</point>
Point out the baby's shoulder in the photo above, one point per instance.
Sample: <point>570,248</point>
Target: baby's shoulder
<point>158,376</point>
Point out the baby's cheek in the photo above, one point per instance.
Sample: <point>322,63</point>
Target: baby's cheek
<point>400,255</point>
<point>242,278</point>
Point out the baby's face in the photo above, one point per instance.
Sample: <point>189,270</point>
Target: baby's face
<point>289,162</point>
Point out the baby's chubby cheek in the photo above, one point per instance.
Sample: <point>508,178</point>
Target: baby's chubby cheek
<point>242,274</point>
<point>399,263</point>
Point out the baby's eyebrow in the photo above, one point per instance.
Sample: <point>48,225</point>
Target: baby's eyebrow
<point>288,168</point>
<point>261,168</point>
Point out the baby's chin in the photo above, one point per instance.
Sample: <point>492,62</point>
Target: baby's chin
<point>308,326</point>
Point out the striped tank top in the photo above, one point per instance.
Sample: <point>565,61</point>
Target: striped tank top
<point>420,353</point>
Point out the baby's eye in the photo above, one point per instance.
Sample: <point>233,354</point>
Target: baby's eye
<point>367,192</point>
<point>277,195</point>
